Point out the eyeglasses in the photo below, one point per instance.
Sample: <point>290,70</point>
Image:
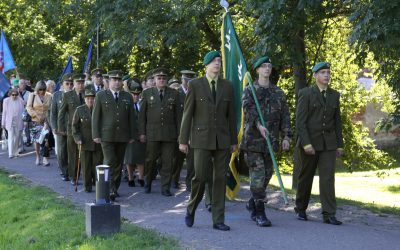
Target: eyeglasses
<point>14,94</point>
<point>42,90</point>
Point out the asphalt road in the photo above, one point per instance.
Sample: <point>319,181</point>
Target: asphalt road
<point>361,229</point>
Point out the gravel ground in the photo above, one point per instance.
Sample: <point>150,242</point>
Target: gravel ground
<point>361,229</point>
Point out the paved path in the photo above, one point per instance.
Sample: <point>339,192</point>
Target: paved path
<point>361,229</point>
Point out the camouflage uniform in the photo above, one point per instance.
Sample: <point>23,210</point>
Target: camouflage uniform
<point>276,115</point>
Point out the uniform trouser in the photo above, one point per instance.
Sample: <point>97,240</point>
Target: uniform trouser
<point>177,164</point>
<point>202,168</point>
<point>260,173</point>
<point>153,150</point>
<point>72,149</point>
<point>113,153</point>
<point>62,154</point>
<point>189,168</point>
<point>89,161</point>
<point>14,137</point>
<point>325,161</point>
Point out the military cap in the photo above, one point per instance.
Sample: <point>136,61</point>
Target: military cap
<point>106,76</point>
<point>126,77</point>
<point>321,65</point>
<point>97,72</point>
<point>264,59</point>
<point>210,56</point>
<point>79,77</point>
<point>173,80</point>
<point>90,91</point>
<point>160,72</point>
<point>149,75</point>
<point>67,77</point>
<point>115,74</point>
<point>134,87</point>
<point>188,73</point>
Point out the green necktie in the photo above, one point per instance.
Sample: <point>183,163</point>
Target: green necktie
<point>323,92</point>
<point>214,92</point>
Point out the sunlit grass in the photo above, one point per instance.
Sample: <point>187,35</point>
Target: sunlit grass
<point>35,218</point>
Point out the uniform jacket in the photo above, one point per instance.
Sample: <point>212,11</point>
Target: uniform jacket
<point>37,108</point>
<point>70,101</point>
<point>204,122</point>
<point>12,108</point>
<point>276,115</point>
<point>82,127</point>
<point>55,107</point>
<point>160,120</point>
<point>319,123</point>
<point>113,121</point>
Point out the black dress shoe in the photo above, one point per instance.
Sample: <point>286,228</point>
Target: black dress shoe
<point>147,188</point>
<point>175,185</point>
<point>166,193</point>
<point>332,220</point>
<point>113,196</point>
<point>141,182</point>
<point>221,226</point>
<point>131,183</point>
<point>301,215</point>
<point>208,207</point>
<point>65,178</point>
<point>189,219</point>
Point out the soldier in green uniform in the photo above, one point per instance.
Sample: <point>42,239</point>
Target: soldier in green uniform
<point>91,153</point>
<point>113,125</point>
<point>71,100</point>
<point>275,111</point>
<point>97,79</point>
<point>320,141</point>
<point>61,139</point>
<point>209,122</point>
<point>159,121</point>
<point>149,78</point>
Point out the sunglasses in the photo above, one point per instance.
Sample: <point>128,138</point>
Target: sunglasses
<point>14,94</point>
<point>42,90</point>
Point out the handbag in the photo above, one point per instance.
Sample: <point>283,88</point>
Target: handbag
<point>26,117</point>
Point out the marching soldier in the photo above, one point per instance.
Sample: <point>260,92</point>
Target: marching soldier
<point>113,125</point>
<point>61,139</point>
<point>159,121</point>
<point>70,101</point>
<point>97,79</point>
<point>320,141</point>
<point>275,112</point>
<point>209,123</point>
<point>91,154</point>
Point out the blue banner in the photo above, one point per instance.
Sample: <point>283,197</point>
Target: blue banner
<point>4,85</point>
<point>68,69</point>
<point>6,59</point>
<point>86,69</point>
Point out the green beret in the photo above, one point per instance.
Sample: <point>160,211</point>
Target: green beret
<point>115,74</point>
<point>97,72</point>
<point>67,77</point>
<point>321,65</point>
<point>79,77</point>
<point>188,74</point>
<point>106,76</point>
<point>134,87</point>
<point>210,56</point>
<point>90,91</point>
<point>264,59</point>
<point>160,72</point>
<point>125,77</point>
<point>149,75</point>
<point>15,82</point>
<point>172,80</point>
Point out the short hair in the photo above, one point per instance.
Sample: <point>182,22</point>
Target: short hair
<point>40,85</point>
<point>50,83</point>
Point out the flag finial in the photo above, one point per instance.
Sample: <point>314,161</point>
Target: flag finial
<point>224,4</point>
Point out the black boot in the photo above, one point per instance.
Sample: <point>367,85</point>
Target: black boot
<point>251,207</point>
<point>261,218</point>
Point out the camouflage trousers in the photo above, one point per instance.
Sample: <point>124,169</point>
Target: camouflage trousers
<point>260,173</point>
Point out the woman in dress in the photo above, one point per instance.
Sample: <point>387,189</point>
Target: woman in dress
<point>37,106</point>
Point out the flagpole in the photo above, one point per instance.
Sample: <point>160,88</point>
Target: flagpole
<point>97,45</point>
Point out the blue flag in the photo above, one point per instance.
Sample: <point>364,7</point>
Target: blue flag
<point>68,69</point>
<point>6,59</point>
<point>4,85</point>
<point>86,69</point>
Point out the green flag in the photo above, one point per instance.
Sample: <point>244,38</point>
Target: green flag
<point>235,69</point>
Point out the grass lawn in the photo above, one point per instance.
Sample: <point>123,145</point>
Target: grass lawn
<point>362,188</point>
<point>35,218</point>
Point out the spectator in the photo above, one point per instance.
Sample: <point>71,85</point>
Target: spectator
<point>37,107</point>
<point>51,86</point>
<point>24,94</point>
<point>12,121</point>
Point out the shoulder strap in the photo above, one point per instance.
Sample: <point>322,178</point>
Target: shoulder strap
<point>33,99</point>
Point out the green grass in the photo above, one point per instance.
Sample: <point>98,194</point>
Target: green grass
<point>34,217</point>
<point>363,189</point>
